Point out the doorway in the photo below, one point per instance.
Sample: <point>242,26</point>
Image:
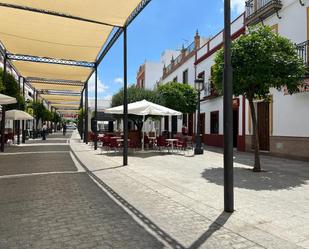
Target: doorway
<point>235,127</point>
<point>174,125</point>
<point>263,125</point>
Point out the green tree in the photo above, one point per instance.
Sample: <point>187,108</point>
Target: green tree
<point>261,60</point>
<point>80,119</point>
<point>137,94</point>
<point>10,88</point>
<point>178,96</point>
<point>39,112</point>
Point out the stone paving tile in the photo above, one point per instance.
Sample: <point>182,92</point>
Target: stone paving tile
<point>48,140</point>
<point>65,211</point>
<point>37,148</point>
<point>176,194</point>
<point>35,163</point>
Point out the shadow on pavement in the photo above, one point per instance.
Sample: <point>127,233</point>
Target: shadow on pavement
<point>140,154</point>
<point>147,222</point>
<point>215,226</point>
<point>274,179</point>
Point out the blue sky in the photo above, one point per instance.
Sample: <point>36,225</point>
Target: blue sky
<point>164,24</point>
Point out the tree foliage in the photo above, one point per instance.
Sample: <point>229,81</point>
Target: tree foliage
<point>178,96</point>
<point>261,60</point>
<point>137,94</point>
<point>10,88</point>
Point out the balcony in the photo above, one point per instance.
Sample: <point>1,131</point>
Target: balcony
<point>209,90</point>
<point>302,50</point>
<point>258,10</point>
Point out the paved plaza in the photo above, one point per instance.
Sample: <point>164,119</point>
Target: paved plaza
<point>183,197</point>
<point>60,193</point>
<point>48,202</point>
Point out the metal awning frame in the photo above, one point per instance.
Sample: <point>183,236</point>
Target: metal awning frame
<point>118,31</point>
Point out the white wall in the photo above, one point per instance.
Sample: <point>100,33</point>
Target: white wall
<point>293,22</point>
<point>209,106</point>
<point>290,114</point>
<point>153,72</point>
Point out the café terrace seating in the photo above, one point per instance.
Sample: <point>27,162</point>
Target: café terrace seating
<point>114,142</point>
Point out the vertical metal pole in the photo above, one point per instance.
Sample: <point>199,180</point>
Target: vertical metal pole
<point>82,120</point>
<point>3,106</point>
<point>228,112</point>
<point>23,137</point>
<point>35,119</point>
<point>18,104</point>
<point>125,99</point>
<point>96,110</point>
<point>55,123</point>
<point>86,114</point>
<point>198,147</point>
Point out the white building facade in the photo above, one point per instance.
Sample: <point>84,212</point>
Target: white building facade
<point>284,122</point>
<point>211,116</point>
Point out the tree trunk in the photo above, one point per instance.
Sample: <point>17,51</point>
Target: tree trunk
<point>257,164</point>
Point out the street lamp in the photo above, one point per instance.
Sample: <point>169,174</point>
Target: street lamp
<point>199,86</point>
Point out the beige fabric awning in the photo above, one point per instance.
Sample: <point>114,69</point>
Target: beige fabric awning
<point>59,97</point>
<point>52,71</point>
<point>24,32</point>
<point>65,105</point>
<point>56,87</point>
<point>114,12</point>
<point>62,30</point>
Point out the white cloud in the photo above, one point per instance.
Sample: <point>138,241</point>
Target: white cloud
<point>118,80</point>
<point>101,86</point>
<point>238,6</point>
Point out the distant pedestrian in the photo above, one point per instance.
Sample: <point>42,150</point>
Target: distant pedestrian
<point>44,130</point>
<point>64,129</point>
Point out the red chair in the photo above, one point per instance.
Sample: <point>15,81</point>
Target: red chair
<point>105,143</point>
<point>181,145</point>
<point>146,141</point>
<point>114,144</point>
<point>161,143</point>
<point>133,144</point>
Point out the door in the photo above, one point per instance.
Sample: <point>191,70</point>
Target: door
<point>235,128</point>
<point>174,125</point>
<point>166,125</point>
<point>263,125</point>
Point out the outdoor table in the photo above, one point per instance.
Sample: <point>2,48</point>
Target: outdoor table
<point>171,142</point>
<point>116,138</point>
<point>121,139</point>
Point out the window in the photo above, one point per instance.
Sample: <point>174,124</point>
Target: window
<point>175,79</point>
<point>185,77</point>
<point>214,122</point>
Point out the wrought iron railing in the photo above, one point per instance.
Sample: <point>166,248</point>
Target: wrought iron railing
<point>253,6</point>
<point>209,89</point>
<point>303,51</point>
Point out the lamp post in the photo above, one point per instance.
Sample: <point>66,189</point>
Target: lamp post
<point>199,86</point>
